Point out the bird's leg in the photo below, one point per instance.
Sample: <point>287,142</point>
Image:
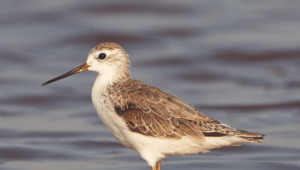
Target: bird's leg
<point>158,165</point>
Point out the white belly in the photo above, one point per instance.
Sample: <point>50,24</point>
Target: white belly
<point>115,124</point>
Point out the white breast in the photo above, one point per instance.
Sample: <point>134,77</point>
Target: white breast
<point>105,109</point>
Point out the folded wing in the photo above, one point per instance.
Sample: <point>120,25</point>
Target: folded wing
<point>154,112</point>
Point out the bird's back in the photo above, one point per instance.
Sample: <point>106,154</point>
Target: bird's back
<point>150,111</point>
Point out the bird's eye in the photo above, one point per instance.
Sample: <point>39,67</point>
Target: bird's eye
<point>102,56</point>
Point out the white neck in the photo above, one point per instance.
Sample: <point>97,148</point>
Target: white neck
<point>101,83</point>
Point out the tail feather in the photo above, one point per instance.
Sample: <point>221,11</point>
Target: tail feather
<point>229,131</point>
<point>251,139</point>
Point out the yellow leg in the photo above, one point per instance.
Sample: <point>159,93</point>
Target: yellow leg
<point>157,166</point>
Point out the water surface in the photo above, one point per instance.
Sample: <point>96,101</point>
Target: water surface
<point>237,61</point>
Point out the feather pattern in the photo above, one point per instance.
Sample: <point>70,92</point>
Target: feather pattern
<point>153,112</point>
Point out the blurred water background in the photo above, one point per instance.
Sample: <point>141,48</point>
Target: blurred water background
<point>237,61</point>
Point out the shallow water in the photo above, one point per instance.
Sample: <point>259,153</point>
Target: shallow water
<point>237,61</point>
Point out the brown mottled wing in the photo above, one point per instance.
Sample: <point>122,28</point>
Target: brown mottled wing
<point>154,112</point>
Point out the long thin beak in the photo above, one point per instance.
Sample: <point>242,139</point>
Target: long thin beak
<point>83,67</point>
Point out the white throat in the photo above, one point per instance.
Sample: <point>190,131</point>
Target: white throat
<point>101,83</point>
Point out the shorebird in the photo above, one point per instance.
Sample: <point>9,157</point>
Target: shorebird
<point>148,119</point>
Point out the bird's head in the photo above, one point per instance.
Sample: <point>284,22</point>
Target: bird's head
<point>108,59</point>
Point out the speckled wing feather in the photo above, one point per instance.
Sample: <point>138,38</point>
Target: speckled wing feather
<point>153,112</point>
